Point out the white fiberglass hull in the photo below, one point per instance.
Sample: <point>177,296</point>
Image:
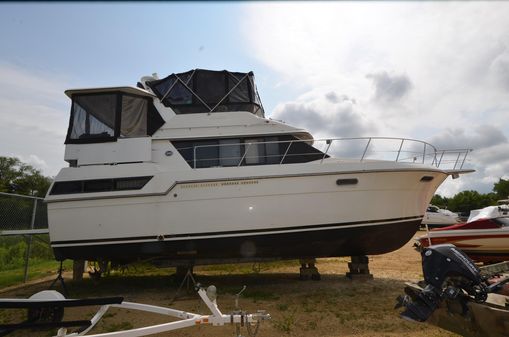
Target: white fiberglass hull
<point>285,214</point>
<point>480,244</point>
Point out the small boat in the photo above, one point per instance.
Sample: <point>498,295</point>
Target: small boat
<point>484,237</point>
<point>437,217</point>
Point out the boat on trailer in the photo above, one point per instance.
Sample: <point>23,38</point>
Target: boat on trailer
<point>189,170</point>
<point>484,237</point>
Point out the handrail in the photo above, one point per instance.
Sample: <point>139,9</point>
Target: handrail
<point>428,151</point>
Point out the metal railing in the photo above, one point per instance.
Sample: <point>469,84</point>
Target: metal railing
<point>356,148</point>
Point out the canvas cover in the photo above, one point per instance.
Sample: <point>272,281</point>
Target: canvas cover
<point>199,91</point>
<point>107,116</point>
<point>489,212</point>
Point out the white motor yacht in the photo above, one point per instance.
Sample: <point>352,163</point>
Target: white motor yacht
<point>437,217</point>
<point>188,169</point>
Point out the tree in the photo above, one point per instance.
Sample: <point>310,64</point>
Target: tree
<point>466,201</point>
<point>440,201</point>
<point>20,178</point>
<point>501,189</point>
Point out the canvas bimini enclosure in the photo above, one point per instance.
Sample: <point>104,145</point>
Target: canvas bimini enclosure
<point>188,169</point>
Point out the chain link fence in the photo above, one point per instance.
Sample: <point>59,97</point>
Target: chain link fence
<point>20,212</point>
<point>22,215</point>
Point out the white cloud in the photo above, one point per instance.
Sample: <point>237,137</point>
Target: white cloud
<point>34,161</point>
<point>390,88</point>
<point>33,117</point>
<point>325,114</point>
<point>432,71</point>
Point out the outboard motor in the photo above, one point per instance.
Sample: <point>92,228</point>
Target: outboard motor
<point>448,274</point>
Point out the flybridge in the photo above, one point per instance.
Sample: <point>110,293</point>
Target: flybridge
<point>199,91</point>
<point>107,114</point>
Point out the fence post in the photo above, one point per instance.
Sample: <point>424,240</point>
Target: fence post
<point>29,246</point>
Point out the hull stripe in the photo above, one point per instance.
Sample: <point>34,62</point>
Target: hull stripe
<point>177,237</point>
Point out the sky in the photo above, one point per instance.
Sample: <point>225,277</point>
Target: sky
<point>436,71</point>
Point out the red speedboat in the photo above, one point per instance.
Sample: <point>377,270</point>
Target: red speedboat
<point>484,237</point>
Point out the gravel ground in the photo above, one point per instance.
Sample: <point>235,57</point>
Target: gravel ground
<point>334,306</point>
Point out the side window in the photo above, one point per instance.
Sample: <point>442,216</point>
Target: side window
<point>107,116</point>
<point>134,117</point>
<point>255,152</point>
<point>93,117</point>
<point>229,152</point>
<point>207,154</point>
<point>272,152</point>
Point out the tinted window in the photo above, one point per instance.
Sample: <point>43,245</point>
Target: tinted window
<point>134,117</point>
<point>272,152</point>
<point>105,117</point>
<point>93,116</point>
<point>503,221</point>
<point>207,154</point>
<point>99,185</point>
<point>254,151</point>
<point>229,152</point>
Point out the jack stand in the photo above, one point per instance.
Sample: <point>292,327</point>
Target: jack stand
<point>187,279</point>
<point>61,279</point>
<point>359,268</point>
<point>308,270</point>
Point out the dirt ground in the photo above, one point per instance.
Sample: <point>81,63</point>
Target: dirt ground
<point>334,306</point>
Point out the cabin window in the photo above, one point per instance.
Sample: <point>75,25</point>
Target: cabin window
<point>432,209</point>
<point>252,151</point>
<point>134,117</point>
<point>255,152</point>
<point>104,117</point>
<point>502,221</point>
<point>272,152</point>
<point>229,152</point>
<point>99,185</point>
<point>93,117</point>
<point>207,154</point>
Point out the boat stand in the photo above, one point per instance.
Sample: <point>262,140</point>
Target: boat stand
<point>60,279</point>
<point>308,270</point>
<point>359,268</point>
<point>187,279</point>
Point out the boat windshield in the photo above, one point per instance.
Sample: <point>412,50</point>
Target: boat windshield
<point>106,116</point>
<point>200,91</point>
<point>503,221</point>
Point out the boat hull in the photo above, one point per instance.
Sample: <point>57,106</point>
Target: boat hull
<point>315,241</point>
<point>322,214</point>
<point>488,245</point>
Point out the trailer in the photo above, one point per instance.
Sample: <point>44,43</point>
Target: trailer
<point>46,311</point>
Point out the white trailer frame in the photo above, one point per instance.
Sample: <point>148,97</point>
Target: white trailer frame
<point>186,319</point>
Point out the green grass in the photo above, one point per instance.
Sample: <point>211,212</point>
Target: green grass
<point>36,269</point>
<point>12,260</point>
